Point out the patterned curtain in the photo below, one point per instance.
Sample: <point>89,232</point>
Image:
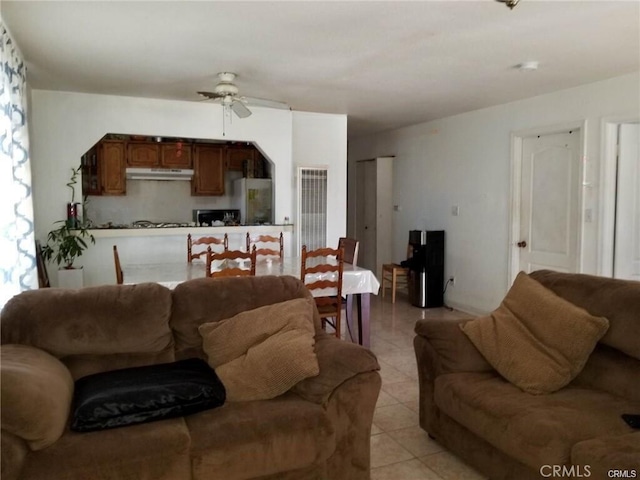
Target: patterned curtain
<point>17,241</point>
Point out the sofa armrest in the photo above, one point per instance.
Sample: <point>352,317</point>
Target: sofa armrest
<point>338,361</point>
<point>37,390</point>
<point>452,349</point>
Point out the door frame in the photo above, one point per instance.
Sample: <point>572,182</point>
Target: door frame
<point>517,138</point>
<point>608,180</point>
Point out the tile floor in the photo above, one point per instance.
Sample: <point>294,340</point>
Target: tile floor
<point>400,449</point>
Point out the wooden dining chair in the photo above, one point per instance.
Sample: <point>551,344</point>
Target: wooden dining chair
<point>350,247</point>
<point>397,275</point>
<point>318,272</point>
<point>116,260</point>
<point>230,263</point>
<point>277,248</point>
<point>206,242</point>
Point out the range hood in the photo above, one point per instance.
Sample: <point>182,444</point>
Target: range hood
<point>159,174</point>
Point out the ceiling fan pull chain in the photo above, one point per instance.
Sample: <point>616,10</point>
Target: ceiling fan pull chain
<point>223,122</point>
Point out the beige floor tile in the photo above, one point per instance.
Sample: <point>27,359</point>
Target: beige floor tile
<point>403,391</point>
<point>414,406</point>
<point>397,358</point>
<point>400,449</point>
<point>385,399</point>
<point>407,470</point>
<point>394,417</point>
<point>410,372</point>
<point>388,374</point>
<point>416,440</point>
<point>380,346</point>
<point>450,467</point>
<point>385,451</point>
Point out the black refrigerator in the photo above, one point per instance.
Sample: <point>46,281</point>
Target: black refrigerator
<point>426,268</point>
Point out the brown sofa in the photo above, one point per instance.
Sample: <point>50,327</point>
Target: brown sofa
<point>319,429</point>
<point>509,434</point>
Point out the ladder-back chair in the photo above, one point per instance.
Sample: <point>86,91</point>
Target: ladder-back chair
<point>230,263</point>
<point>323,276</point>
<point>276,247</point>
<point>206,242</point>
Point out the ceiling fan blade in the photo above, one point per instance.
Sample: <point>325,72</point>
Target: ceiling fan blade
<point>211,95</point>
<point>263,102</point>
<point>240,110</point>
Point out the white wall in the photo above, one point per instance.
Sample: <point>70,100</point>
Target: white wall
<point>64,125</point>
<point>465,160</point>
<point>321,140</point>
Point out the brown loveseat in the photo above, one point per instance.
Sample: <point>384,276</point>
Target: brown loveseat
<point>319,429</point>
<point>575,432</point>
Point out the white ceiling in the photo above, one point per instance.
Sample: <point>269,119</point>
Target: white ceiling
<point>384,64</point>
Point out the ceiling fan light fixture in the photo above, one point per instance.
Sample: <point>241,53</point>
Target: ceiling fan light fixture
<point>225,89</point>
<point>509,3</point>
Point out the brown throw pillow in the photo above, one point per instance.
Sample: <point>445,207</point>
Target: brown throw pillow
<point>536,339</point>
<point>36,394</point>
<point>262,353</point>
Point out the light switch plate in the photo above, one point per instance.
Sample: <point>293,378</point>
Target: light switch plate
<point>455,210</point>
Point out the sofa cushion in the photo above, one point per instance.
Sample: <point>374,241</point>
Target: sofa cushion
<point>158,451</point>
<point>211,299</point>
<point>262,353</point>
<point>36,394</point>
<point>145,394</point>
<point>535,339</point>
<point>259,438</point>
<point>102,320</point>
<point>534,429</point>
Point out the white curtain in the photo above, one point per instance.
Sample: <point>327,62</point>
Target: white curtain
<point>17,241</point>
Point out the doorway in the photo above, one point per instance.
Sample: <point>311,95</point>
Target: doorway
<point>620,226</point>
<point>373,211</point>
<point>546,200</point>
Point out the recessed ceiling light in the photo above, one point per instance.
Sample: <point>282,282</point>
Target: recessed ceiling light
<point>528,66</point>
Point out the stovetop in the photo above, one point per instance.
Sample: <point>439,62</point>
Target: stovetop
<point>148,224</point>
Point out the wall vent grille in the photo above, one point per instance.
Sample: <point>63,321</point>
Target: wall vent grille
<point>312,211</point>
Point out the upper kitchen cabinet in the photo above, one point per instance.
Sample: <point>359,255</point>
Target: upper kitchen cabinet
<point>91,180</point>
<point>236,157</point>
<point>112,167</point>
<point>103,169</point>
<point>176,155</point>
<point>208,165</point>
<point>143,154</point>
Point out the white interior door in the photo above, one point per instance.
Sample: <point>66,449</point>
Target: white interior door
<point>366,205</point>
<point>549,203</point>
<point>626,262</point>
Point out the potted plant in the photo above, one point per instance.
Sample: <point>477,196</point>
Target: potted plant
<point>69,240</point>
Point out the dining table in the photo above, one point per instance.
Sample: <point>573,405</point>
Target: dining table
<point>357,284</point>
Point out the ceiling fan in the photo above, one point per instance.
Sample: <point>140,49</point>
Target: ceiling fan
<point>226,93</point>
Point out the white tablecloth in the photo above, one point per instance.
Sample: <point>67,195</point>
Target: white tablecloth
<point>354,279</point>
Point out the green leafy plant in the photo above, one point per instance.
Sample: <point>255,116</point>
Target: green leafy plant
<point>69,240</point>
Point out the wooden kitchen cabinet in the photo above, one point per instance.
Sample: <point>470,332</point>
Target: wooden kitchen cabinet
<point>236,157</point>
<point>175,155</point>
<point>91,181</point>
<point>112,168</point>
<point>143,155</point>
<point>208,165</point>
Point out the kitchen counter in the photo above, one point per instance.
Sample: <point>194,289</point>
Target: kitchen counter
<point>163,245</point>
<point>183,231</point>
